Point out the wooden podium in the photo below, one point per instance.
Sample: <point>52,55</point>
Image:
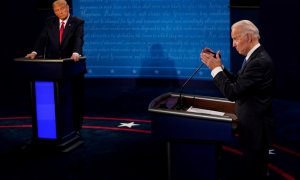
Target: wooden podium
<point>52,101</point>
<point>193,134</point>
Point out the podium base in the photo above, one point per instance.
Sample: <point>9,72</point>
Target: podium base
<point>71,144</point>
<point>42,146</point>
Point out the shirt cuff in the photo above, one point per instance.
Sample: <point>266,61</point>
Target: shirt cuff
<point>76,53</point>
<point>215,71</point>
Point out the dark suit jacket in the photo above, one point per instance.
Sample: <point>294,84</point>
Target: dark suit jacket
<point>48,42</point>
<point>252,89</point>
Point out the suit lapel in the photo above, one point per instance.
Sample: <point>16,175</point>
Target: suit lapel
<point>253,55</point>
<point>56,31</point>
<point>244,66</point>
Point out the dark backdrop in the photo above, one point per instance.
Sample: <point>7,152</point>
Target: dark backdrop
<point>277,21</point>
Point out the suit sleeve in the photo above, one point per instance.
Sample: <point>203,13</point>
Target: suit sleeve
<point>78,34</point>
<point>244,83</point>
<point>41,41</point>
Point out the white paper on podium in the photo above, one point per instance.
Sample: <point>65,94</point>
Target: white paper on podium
<point>205,111</point>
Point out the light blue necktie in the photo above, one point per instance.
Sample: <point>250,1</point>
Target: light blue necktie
<point>244,63</point>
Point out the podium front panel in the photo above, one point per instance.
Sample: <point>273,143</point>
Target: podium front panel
<point>170,123</point>
<point>45,110</point>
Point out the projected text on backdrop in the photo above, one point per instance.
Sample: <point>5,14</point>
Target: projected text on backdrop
<point>152,38</point>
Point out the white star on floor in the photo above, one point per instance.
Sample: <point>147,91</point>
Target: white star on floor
<point>271,151</point>
<point>129,125</point>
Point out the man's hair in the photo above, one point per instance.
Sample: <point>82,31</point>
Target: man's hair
<point>247,27</point>
<point>59,2</point>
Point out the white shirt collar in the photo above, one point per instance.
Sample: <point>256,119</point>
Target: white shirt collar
<point>65,21</point>
<point>252,50</point>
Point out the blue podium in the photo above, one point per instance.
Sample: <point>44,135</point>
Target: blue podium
<point>193,134</point>
<point>51,83</point>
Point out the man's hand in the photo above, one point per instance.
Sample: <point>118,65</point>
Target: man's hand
<point>75,57</point>
<point>207,57</point>
<point>31,55</point>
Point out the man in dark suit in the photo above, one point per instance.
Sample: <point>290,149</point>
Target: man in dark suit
<point>62,37</point>
<point>252,89</point>
<point>48,44</point>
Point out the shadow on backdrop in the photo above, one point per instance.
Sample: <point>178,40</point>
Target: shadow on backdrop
<point>157,69</point>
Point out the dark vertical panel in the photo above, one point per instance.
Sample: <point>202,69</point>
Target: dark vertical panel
<point>19,29</point>
<point>280,35</point>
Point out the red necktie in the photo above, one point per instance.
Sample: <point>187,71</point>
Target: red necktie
<point>61,31</point>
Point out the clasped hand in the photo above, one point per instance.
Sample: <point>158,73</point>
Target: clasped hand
<point>207,57</point>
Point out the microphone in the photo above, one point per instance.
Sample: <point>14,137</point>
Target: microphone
<point>179,104</point>
<point>45,47</point>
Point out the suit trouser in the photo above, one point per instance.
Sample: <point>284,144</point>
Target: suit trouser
<point>256,163</point>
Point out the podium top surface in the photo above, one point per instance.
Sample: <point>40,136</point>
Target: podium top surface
<point>166,103</point>
<point>23,59</point>
<point>49,69</point>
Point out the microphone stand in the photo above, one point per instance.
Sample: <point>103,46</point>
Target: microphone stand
<point>180,102</point>
<point>45,47</point>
